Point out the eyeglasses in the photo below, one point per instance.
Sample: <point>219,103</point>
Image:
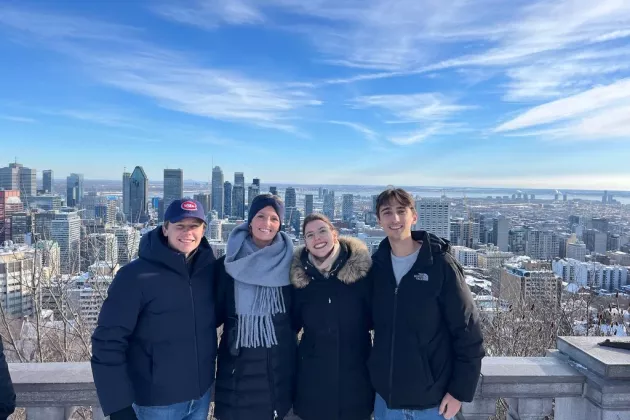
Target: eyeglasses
<point>321,232</point>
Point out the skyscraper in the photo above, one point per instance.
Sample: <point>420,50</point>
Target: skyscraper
<point>217,191</point>
<point>238,201</point>
<point>138,196</point>
<point>434,217</point>
<point>308,204</point>
<point>173,187</point>
<point>126,185</point>
<point>205,200</point>
<point>74,190</point>
<point>48,181</point>
<point>290,197</point>
<point>17,177</point>
<point>329,204</point>
<point>252,191</point>
<point>256,182</point>
<point>500,233</point>
<point>347,206</point>
<point>66,231</point>
<point>10,204</point>
<point>273,190</point>
<point>227,198</point>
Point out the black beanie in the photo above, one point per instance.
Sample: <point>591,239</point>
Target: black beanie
<point>263,200</point>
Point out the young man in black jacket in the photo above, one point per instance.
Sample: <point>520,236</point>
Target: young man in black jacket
<point>154,349</point>
<point>428,345</point>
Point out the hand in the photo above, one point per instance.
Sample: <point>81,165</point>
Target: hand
<point>450,406</point>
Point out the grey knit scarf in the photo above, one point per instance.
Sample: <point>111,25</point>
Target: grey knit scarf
<point>258,276</point>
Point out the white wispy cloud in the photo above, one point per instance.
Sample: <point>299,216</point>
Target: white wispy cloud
<point>210,14</point>
<point>367,132</point>
<point>17,119</point>
<point>600,112</point>
<point>433,111</point>
<point>173,80</point>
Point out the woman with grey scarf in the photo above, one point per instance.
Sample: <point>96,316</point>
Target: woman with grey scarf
<point>257,352</point>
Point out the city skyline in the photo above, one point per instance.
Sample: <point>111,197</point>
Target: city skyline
<point>411,93</point>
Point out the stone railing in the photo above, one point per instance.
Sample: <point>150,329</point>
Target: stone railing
<point>579,381</point>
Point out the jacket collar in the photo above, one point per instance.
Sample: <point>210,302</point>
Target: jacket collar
<point>431,244</point>
<point>353,263</point>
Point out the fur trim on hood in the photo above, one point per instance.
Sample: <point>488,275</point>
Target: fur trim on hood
<point>355,268</point>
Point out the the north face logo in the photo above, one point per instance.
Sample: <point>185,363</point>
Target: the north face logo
<point>421,277</point>
<point>189,206</point>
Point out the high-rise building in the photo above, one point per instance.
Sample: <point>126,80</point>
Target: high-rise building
<point>205,200</point>
<point>103,248</point>
<point>347,207</point>
<point>106,212</point>
<point>542,244</point>
<point>17,268</point>
<point>374,200</point>
<point>21,226</point>
<point>126,185</point>
<point>434,217</point>
<point>576,251</point>
<point>256,181</point>
<point>596,241</point>
<point>238,201</point>
<point>466,256</point>
<point>520,285</point>
<point>128,240</point>
<point>17,177</point>
<point>227,198</point>
<point>45,202</point>
<point>217,191</point>
<point>239,178</point>
<point>74,190</point>
<point>308,204</point>
<point>273,190</point>
<point>252,191</point>
<point>138,196</point>
<point>173,188</point>
<point>290,205</point>
<point>10,204</point>
<point>329,204</point>
<point>500,232</point>
<point>48,181</point>
<point>65,229</point>
<point>290,199</point>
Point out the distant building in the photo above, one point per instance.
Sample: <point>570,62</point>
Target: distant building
<point>576,251</point>
<point>308,204</point>
<point>138,196</point>
<point>173,188</point>
<point>17,177</point>
<point>466,256</point>
<point>434,217</point>
<point>48,181</point>
<point>347,207</point>
<point>74,190</point>
<point>17,271</point>
<point>227,198</point>
<point>217,191</point>
<point>500,233</point>
<point>520,285</point>
<point>126,193</point>
<point>10,203</point>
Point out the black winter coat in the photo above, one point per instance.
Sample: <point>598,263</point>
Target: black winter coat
<point>427,337</point>
<point>7,393</point>
<point>333,382</point>
<point>156,341</point>
<point>253,383</point>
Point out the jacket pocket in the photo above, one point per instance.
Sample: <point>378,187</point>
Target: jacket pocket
<point>426,367</point>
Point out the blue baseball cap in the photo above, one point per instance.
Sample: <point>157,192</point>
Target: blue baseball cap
<point>181,209</point>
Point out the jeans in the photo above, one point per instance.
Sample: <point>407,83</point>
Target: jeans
<point>381,412</point>
<point>187,410</point>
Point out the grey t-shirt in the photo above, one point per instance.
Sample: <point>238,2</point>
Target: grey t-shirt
<point>402,265</point>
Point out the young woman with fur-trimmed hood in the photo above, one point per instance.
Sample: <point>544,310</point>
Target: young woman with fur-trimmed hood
<point>332,305</point>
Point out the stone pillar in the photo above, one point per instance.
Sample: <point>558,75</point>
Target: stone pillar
<point>607,372</point>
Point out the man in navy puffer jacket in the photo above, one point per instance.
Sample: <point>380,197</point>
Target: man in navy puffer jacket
<point>155,345</point>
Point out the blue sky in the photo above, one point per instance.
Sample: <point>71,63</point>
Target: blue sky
<point>408,92</point>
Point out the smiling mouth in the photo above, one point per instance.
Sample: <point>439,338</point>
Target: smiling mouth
<point>187,241</point>
<point>266,231</point>
<point>320,246</point>
<point>396,227</point>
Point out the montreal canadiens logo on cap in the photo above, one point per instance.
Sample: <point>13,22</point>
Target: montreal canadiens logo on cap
<point>189,206</point>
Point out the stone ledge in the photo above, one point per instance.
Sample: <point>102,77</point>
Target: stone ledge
<point>605,361</point>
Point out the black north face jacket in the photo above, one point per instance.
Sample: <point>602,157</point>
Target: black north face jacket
<point>427,338</point>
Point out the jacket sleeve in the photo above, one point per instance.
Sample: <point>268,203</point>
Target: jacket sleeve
<point>296,310</point>
<point>462,319</point>
<point>220,292</point>
<point>110,340</point>
<point>7,393</point>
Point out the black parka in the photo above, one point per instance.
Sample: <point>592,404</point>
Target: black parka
<point>333,382</point>
<point>427,336</point>
<point>253,383</point>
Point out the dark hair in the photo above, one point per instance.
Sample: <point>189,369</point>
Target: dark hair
<point>394,194</point>
<point>313,217</point>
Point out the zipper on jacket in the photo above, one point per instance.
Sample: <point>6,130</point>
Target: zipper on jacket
<point>391,356</point>
<point>271,385</point>
<point>192,301</point>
